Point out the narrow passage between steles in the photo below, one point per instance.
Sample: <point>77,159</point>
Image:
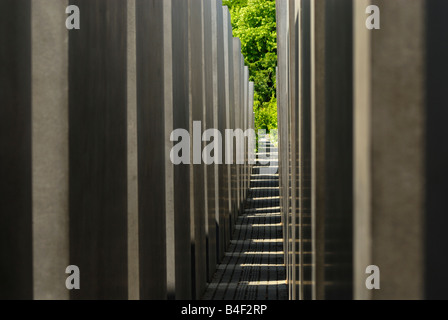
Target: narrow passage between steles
<point>253,267</point>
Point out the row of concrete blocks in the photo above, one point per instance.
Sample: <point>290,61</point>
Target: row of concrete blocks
<point>363,165</point>
<point>86,177</point>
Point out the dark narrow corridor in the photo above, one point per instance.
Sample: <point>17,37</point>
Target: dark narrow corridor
<point>253,267</point>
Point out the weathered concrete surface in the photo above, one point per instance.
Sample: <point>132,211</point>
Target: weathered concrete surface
<point>245,110</point>
<point>389,150</point>
<point>303,223</point>
<point>318,132</point>
<point>151,148</point>
<point>220,123</point>
<point>15,145</point>
<point>283,114</point>
<point>230,114</point>
<point>50,164</point>
<point>238,93</point>
<point>198,245</point>
<point>132,135</point>
<point>209,123</point>
<point>229,102</point>
<point>181,178</point>
<point>339,150</point>
<point>294,74</point>
<point>98,153</point>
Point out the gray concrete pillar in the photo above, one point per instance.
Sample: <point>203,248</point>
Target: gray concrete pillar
<point>233,115</point>
<point>151,147</point>
<point>293,264</point>
<point>303,219</point>
<point>241,126</point>
<point>220,124</point>
<point>209,123</point>
<point>399,170</point>
<point>332,109</point>
<point>178,221</point>
<point>318,118</point>
<point>98,153</point>
<point>132,145</point>
<point>229,89</point>
<point>231,102</point>
<point>245,127</point>
<point>282,9</point>
<point>339,149</point>
<point>197,186</point>
<point>50,160</point>
<point>241,110</point>
<point>237,92</point>
<point>251,125</point>
<point>169,32</point>
<point>389,150</point>
<point>214,124</point>
<point>15,144</point>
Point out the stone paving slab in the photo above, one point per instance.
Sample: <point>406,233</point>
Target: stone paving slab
<point>253,267</point>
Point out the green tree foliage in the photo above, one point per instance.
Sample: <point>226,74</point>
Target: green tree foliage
<point>253,21</point>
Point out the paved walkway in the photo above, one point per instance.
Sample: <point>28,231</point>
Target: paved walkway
<point>253,267</point>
